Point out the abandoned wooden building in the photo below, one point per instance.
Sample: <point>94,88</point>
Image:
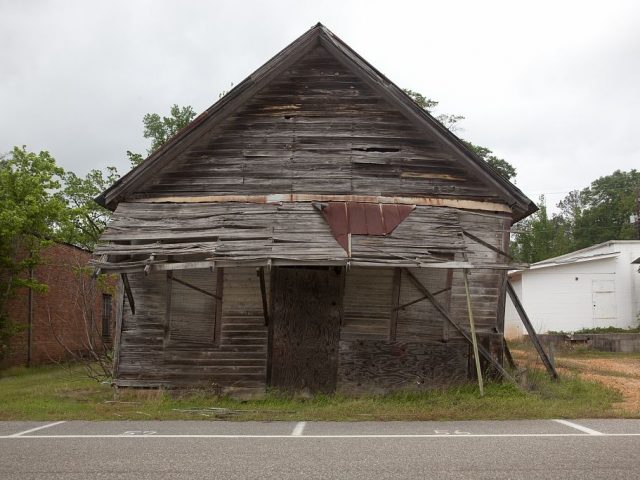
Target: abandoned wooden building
<point>312,230</point>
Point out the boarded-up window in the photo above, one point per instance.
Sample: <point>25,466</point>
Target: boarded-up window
<point>367,304</point>
<point>420,320</point>
<point>106,314</point>
<point>193,306</point>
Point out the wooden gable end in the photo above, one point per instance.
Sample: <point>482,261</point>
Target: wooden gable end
<point>317,128</point>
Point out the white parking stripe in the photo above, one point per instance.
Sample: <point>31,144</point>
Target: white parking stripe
<point>37,428</point>
<point>299,429</point>
<point>493,435</point>
<point>590,431</point>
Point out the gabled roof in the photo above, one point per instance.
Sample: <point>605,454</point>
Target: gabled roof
<point>317,35</point>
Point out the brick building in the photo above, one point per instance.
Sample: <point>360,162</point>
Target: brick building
<point>74,313</point>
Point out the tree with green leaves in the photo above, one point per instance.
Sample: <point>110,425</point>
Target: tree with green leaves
<point>601,211</point>
<point>31,210</point>
<point>85,220</point>
<point>539,237</point>
<point>451,122</point>
<point>161,129</point>
<point>587,217</point>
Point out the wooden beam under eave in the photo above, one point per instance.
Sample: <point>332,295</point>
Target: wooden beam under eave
<point>310,197</point>
<point>282,262</point>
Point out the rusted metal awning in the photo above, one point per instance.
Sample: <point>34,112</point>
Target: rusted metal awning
<point>359,218</point>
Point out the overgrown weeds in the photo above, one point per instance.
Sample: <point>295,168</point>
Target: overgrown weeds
<point>47,393</point>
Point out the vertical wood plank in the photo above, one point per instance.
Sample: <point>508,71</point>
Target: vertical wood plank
<point>272,290</point>
<point>472,326</point>
<point>395,303</point>
<point>218,313</point>
<point>448,294</point>
<point>167,315</point>
<point>263,294</point>
<point>118,333</point>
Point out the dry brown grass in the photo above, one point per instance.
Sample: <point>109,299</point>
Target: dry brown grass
<point>618,371</point>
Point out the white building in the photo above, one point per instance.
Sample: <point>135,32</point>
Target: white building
<point>593,287</point>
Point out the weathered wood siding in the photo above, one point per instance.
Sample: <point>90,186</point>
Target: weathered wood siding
<point>379,367</point>
<point>318,128</point>
<point>421,321</point>
<point>236,364</point>
<point>424,352</point>
<point>371,360</point>
<point>367,304</point>
<point>484,284</point>
<point>192,317</point>
<point>287,232</point>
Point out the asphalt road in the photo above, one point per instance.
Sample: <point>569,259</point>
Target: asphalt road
<point>579,449</point>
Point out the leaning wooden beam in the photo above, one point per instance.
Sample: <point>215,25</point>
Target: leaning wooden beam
<point>486,244</point>
<point>127,289</point>
<point>472,325</point>
<point>417,300</point>
<point>193,287</point>
<point>532,333</point>
<point>507,354</point>
<point>483,351</point>
<point>263,293</point>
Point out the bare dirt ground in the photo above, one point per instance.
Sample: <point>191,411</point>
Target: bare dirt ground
<point>618,371</point>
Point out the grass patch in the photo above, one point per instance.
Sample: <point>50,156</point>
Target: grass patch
<point>57,393</point>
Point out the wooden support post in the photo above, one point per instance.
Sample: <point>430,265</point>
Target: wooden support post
<point>532,333</point>
<point>263,292</point>
<point>217,333</point>
<point>147,267</point>
<point>472,326</point>
<point>127,289</point>
<point>118,332</point>
<point>167,311</point>
<point>395,300</point>
<point>483,351</point>
<point>507,354</point>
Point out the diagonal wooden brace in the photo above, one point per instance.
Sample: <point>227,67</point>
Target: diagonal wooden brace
<point>129,293</point>
<point>532,333</point>
<point>483,351</point>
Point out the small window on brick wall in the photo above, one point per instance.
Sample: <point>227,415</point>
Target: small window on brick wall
<point>106,315</point>
<point>194,305</point>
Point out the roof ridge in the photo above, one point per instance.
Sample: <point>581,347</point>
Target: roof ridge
<point>320,35</point>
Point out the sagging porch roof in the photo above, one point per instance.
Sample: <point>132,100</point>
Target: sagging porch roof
<point>172,236</point>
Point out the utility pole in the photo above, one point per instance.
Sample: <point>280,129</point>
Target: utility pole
<point>638,214</point>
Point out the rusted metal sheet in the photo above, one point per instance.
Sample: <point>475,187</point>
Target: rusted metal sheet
<point>359,218</point>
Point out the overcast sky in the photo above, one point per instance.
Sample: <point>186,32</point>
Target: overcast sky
<point>553,87</point>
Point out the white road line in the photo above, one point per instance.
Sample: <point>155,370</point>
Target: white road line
<point>578,427</point>
<point>19,434</point>
<point>297,432</point>
<point>494,435</point>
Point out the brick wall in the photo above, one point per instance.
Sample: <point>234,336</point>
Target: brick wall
<point>68,317</point>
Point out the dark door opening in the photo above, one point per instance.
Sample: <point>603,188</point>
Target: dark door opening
<point>305,328</point>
